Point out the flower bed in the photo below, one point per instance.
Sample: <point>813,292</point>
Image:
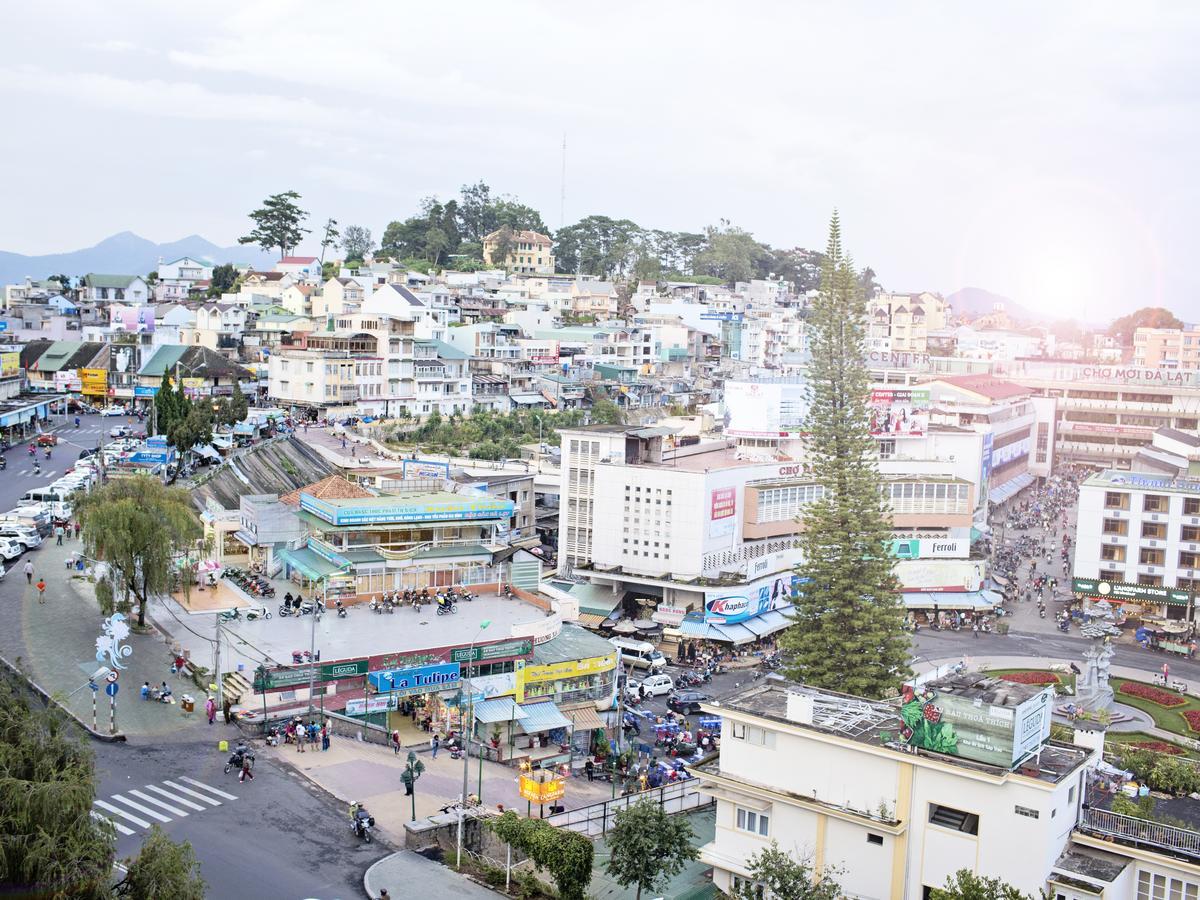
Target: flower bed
<point>1160,746</point>
<point>1192,717</point>
<point>1155,695</point>
<point>1031,677</point>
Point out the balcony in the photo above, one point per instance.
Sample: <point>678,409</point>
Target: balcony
<point>1140,832</point>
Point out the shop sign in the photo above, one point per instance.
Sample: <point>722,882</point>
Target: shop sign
<point>10,364</point>
<point>1128,593</point>
<point>396,510</point>
<point>485,652</point>
<point>571,668</point>
<point>353,669</point>
<point>541,791</point>
<point>419,680</point>
<point>669,615</point>
<point>936,548</point>
<point>94,382</point>
<point>67,380</point>
<point>421,468</point>
<point>144,391</point>
<point>291,676</point>
<point>487,687</point>
<point>371,705</point>
<point>1132,480</point>
<point>736,604</point>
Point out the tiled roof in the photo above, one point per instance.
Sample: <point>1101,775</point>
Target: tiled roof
<point>297,261</point>
<point>335,487</point>
<point>986,386</point>
<point>531,237</point>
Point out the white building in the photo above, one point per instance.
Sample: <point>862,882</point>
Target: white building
<point>127,289</point>
<point>301,268</point>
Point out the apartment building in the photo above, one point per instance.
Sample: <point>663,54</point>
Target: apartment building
<point>528,252</point>
<point>317,382</point>
<point>849,784</point>
<point>902,322</point>
<point>1167,348</point>
<point>97,288</point>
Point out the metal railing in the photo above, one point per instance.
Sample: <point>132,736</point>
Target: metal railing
<point>1141,831</point>
<point>598,818</point>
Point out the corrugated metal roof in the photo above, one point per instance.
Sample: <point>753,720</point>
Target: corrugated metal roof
<point>542,717</point>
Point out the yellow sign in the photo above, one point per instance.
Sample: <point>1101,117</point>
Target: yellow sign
<point>10,364</point>
<point>541,791</point>
<point>94,381</point>
<point>572,668</point>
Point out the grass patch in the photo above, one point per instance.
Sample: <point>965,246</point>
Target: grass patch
<point>1167,719</point>
<point>1065,680</point>
<point>1140,737</point>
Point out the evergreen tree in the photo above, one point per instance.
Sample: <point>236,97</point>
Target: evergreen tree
<point>848,633</point>
<point>241,406</point>
<point>164,405</point>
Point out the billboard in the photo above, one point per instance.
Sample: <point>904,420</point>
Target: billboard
<point>1121,592</point>
<point>422,468</point>
<point>985,465</point>
<point>900,413</point>
<point>722,509</point>
<point>419,680</point>
<point>132,318</point>
<point>974,729</point>
<point>94,382</point>
<point>931,548</point>
<point>10,364</point>
<point>736,604</point>
<point>753,409</point>
<point>396,509</point>
<point>939,575</point>
<point>67,380</point>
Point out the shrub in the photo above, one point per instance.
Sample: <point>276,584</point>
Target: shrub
<point>1159,747</point>
<point>1146,692</point>
<point>1140,762</point>
<point>1031,677</point>
<point>1193,719</point>
<point>1174,776</point>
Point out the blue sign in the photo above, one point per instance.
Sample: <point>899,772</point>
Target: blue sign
<point>151,457</point>
<point>93,687</point>
<point>418,680</point>
<point>386,510</point>
<point>738,604</point>
<point>111,688</point>
<point>140,391</point>
<point>3,326</point>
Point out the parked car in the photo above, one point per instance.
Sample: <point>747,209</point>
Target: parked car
<point>10,549</point>
<point>88,452</point>
<point>655,685</point>
<point>28,538</point>
<point>113,411</point>
<point>120,431</point>
<point>686,702</point>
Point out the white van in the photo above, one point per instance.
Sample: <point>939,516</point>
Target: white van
<point>47,495</point>
<point>639,654</point>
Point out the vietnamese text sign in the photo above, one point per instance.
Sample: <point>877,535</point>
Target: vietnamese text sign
<point>939,574</point>
<point>722,507</point>
<point>290,676</point>
<point>540,791</point>
<point>974,729</point>
<point>421,468</point>
<point>93,382</point>
<point>572,668</point>
<point>392,510</point>
<point>1128,593</point>
<point>483,652</point>
<point>10,364</point>
<point>900,413</point>
<point>371,705</point>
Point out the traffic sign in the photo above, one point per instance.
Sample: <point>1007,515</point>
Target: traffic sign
<point>3,326</point>
<point>111,688</point>
<point>93,687</point>
<point>111,676</point>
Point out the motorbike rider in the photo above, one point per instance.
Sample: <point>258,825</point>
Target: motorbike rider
<point>358,817</point>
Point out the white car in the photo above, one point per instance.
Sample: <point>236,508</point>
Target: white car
<point>112,411</point>
<point>10,549</point>
<point>28,538</point>
<point>655,686</point>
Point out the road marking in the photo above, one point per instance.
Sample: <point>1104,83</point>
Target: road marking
<point>158,790</point>
<point>120,812</point>
<point>211,790</point>
<point>117,825</point>
<point>189,791</point>
<point>149,799</point>
<point>142,809</point>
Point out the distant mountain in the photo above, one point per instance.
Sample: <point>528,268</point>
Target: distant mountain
<point>125,254</point>
<point>972,302</point>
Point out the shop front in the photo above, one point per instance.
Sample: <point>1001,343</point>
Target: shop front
<point>1139,601</point>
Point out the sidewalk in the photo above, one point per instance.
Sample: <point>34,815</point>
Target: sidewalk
<point>402,872</point>
<point>354,770</point>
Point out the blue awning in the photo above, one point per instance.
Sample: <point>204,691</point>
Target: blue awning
<point>542,717</point>
<point>499,709</point>
<point>1010,488</point>
<point>980,601</point>
<point>771,621</point>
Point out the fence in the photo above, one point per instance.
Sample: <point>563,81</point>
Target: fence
<point>597,819</point>
<point>1141,831</point>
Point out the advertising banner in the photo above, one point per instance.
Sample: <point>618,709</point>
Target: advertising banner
<point>540,791</point>
<point>285,677</point>
<point>936,575</point>
<point>94,382</point>
<point>722,511</point>
<point>969,728</point>
<point>10,364</point>
<point>571,668</point>
<point>143,391</point>
<point>132,318</point>
<point>736,604</point>
<point>1128,593</point>
<point>372,705</point>
<point>900,413</point>
<point>753,409</point>
<point>931,548</point>
<point>420,680</point>
<point>421,468</point>
<point>985,466</point>
<point>396,509</point>
<point>67,380</point>
<point>485,652</point>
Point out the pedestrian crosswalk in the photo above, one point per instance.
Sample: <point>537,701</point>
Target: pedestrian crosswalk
<point>46,474</point>
<point>132,811</point>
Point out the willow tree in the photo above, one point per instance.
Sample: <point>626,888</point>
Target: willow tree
<point>848,633</point>
<point>139,528</point>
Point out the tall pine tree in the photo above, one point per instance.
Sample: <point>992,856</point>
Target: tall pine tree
<point>847,634</point>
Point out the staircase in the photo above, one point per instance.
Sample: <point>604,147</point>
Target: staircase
<point>235,686</point>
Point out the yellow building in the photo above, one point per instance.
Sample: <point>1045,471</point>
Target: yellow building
<point>528,252</point>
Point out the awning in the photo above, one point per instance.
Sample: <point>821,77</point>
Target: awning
<point>311,565</point>
<point>1010,488</point>
<point>982,601</point>
<point>769,622</point>
<point>206,450</point>
<point>585,718</point>
<point>595,599</point>
<point>246,538</point>
<point>499,709</point>
<point>587,620</point>
<point>710,631</point>
<point>542,717</point>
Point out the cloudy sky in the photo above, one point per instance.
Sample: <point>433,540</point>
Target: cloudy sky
<point>1044,151</point>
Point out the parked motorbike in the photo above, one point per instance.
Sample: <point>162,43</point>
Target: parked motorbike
<point>341,610</point>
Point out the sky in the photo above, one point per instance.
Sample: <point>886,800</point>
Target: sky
<point>1042,151</point>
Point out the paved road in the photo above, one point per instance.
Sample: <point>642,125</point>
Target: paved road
<point>275,836</point>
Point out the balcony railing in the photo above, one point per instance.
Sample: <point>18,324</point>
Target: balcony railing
<point>1141,831</point>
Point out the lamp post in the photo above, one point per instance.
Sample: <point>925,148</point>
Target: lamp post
<point>462,806</point>
<point>412,771</point>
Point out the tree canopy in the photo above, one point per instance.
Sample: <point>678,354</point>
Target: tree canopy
<point>224,277</point>
<point>647,847</point>
<point>1146,317</point>
<point>139,528</point>
<point>278,223</point>
<point>965,885</point>
<point>329,237</point>
<point>848,593</point>
<point>566,855</point>
<point>357,242</point>
<point>781,876</point>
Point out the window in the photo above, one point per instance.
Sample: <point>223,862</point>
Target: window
<point>954,819</point>
<point>1112,553</point>
<point>1154,530</point>
<point>753,822</point>
<point>876,839</point>
<point>1191,506</point>
<point>1149,580</point>
<point>1160,887</point>
<point>1148,556</point>
<point>1116,526</point>
<point>1154,503</point>
<point>1189,560</point>
<point>1026,811</point>
<point>1116,500</point>
<point>743,886</point>
<point>1189,533</point>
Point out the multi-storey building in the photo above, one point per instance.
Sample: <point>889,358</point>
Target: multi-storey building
<point>902,322</point>
<point>528,252</point>
<point>1167,348</point>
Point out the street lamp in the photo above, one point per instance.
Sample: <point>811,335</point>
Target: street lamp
<point>412,771</point>
<point>462,806</point>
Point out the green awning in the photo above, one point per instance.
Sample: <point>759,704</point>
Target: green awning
<point>595,599</point>
<point>311,565</point>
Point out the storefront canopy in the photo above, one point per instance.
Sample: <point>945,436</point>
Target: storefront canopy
<point>979,601</point>
<point>1010,488</point>
<point>499,709</point>
<point>743,632</point>
<point>311,565</point>
<point>542,717</point>
<point>585,718</point>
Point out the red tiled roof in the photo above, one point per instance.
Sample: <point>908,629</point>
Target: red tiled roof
<point>986,386</point>
<point>297,260</point>
<point>335,487</point>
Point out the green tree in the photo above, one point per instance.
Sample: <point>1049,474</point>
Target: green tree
<point>162,868</point>
<point>647,847</point>
<point>223,279</point>
<point>1146,317</point>
<point>566,855</point>
<point>436,244</point>
<point>278,223</point>
<point>848,593</point>
<point>138,527</point>
<point>356,242</point>
<point>605,412</point>
<point>503,246</point>
<point>779,875</point>
<point>476,217</point>
<point>193,427</point>
<point>732,254</point>
<point>50,846</point>
<point>165,410</point>
<point>241,406</point>
<point>508,210</point>
<point>329,237</point>
<point>867,284</point>
<point>965,885</point>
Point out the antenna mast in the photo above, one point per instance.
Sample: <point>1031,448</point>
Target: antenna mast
<point>562,199</point>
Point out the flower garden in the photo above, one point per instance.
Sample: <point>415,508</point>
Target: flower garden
<point>1166,699</point>
<point>1177,713</point>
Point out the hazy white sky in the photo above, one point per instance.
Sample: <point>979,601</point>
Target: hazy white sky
<point>1045,151</point>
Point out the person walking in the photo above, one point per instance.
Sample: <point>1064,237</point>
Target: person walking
<point>245,773</point>
<point>210,709</point>
<point>324,737</point>
<point>78,528</point>
<point>227,710</point>
<point>58,535</point>
<point>434,743</point>
<point>396,743</point>
<point>300,736</point>
<point>29,571</point>
<point>41,589</point>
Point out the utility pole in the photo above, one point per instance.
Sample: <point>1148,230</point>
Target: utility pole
<point>562,199</point>
<point>217,665</point>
